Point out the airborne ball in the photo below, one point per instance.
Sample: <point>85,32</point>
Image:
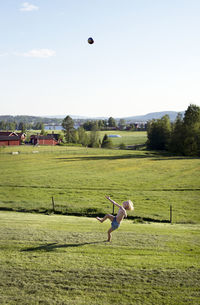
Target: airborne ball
<point>90,40</point>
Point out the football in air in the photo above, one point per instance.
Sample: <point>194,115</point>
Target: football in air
<point>90,40</point>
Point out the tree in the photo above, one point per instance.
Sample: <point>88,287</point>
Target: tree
<point>158,133</point>
<point>101,124</point>
<point>111,122</point>
<point>82,136</point>
<point>69,131</point>
<point>191,131</point>
<point>11,126</point>
<point>43,132</point>
<point>122,124</point>
<point>106,142</point>
<point>22,127</point>
<point>89,125</point>
<point>192,115</point>
<point>38,126</point>
<point>177,135</point>
<point>2,125</point>
<point>94,139</point>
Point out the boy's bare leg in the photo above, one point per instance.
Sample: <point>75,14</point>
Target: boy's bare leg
<point>109,234</point>
<point>107,216</point>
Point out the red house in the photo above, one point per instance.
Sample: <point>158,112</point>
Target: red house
<point>43,140</point>
<point>21,135</point>
<point>9,140</point>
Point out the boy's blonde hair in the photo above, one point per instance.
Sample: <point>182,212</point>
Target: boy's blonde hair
<point>130,206</point>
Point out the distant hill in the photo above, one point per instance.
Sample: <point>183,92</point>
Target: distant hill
<point>153,115</point>
<point>29,119</point>
<point>142,118</point>
<point>57,119</point>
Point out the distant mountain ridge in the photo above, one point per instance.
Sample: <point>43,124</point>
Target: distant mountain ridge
<point>148,116</point>
<point>58,118</point>
<point>154,115</point>
<point>143,118</point>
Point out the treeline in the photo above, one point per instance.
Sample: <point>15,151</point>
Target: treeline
<point>80,135</point>
<point>23,126</point>
<point>111,123</point>
<point>181,137</point>
<point>27,119</point>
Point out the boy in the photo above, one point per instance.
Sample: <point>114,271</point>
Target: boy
<point>116,220</point>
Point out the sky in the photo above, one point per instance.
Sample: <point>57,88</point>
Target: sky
<point>145,57</point>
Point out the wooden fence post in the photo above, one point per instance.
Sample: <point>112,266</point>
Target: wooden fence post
<point>53,204</point>
<point>113,212</point>
<point>171,214</point>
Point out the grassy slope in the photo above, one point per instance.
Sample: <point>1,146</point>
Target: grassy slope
<point>64,260</point>
<point>78,178</point>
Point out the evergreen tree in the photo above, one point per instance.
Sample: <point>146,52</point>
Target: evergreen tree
<point>69,131</point>
<point>106,142</point>
<point>177,136</point>
<point>111,122</point>
<point>94,138</point>
<point>22,127</point>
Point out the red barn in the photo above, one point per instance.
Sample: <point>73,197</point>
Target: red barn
<point>43,140</point>
<point>21,135</point>
<point>9,140</point>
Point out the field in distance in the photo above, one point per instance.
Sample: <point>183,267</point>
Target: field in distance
<point>126,137</point>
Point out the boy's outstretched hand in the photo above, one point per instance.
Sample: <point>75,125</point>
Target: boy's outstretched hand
<point>107,197</point>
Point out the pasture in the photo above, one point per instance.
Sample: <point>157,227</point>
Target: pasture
<point>65,260</point>
<point>126,137</point>
<point>62,259</point>
<point>79,178</point>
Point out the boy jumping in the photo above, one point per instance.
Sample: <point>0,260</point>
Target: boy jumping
<point>116,220</point>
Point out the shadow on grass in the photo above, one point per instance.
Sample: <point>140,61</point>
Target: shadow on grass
<point>155,155</point>
<point>116,157</point>
<point>53,246</point>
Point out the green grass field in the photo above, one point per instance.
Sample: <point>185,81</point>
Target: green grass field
<point>57,259</point>
<point>65,260</point>
<point>79,178</point>
<point>126,137</point>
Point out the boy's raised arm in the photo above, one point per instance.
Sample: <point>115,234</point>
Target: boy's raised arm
<point>115,203</point>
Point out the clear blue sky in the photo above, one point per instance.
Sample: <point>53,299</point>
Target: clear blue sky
<point>146,56</point>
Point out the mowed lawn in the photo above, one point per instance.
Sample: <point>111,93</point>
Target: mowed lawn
<point>79,178</point>
<point>65,260</point>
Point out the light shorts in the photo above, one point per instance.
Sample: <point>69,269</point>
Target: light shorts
<point>115,225</point>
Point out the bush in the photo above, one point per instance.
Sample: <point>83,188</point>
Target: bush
<point>122,146</point>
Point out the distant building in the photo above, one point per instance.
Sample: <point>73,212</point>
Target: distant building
<point>8,138</point>
<point>43,140</point>
<point>56,136</point>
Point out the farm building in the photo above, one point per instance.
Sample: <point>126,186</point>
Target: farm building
<point>9,140</point>
<point>21,135</point>
<point>43,140</point>
<point>56,136</point>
